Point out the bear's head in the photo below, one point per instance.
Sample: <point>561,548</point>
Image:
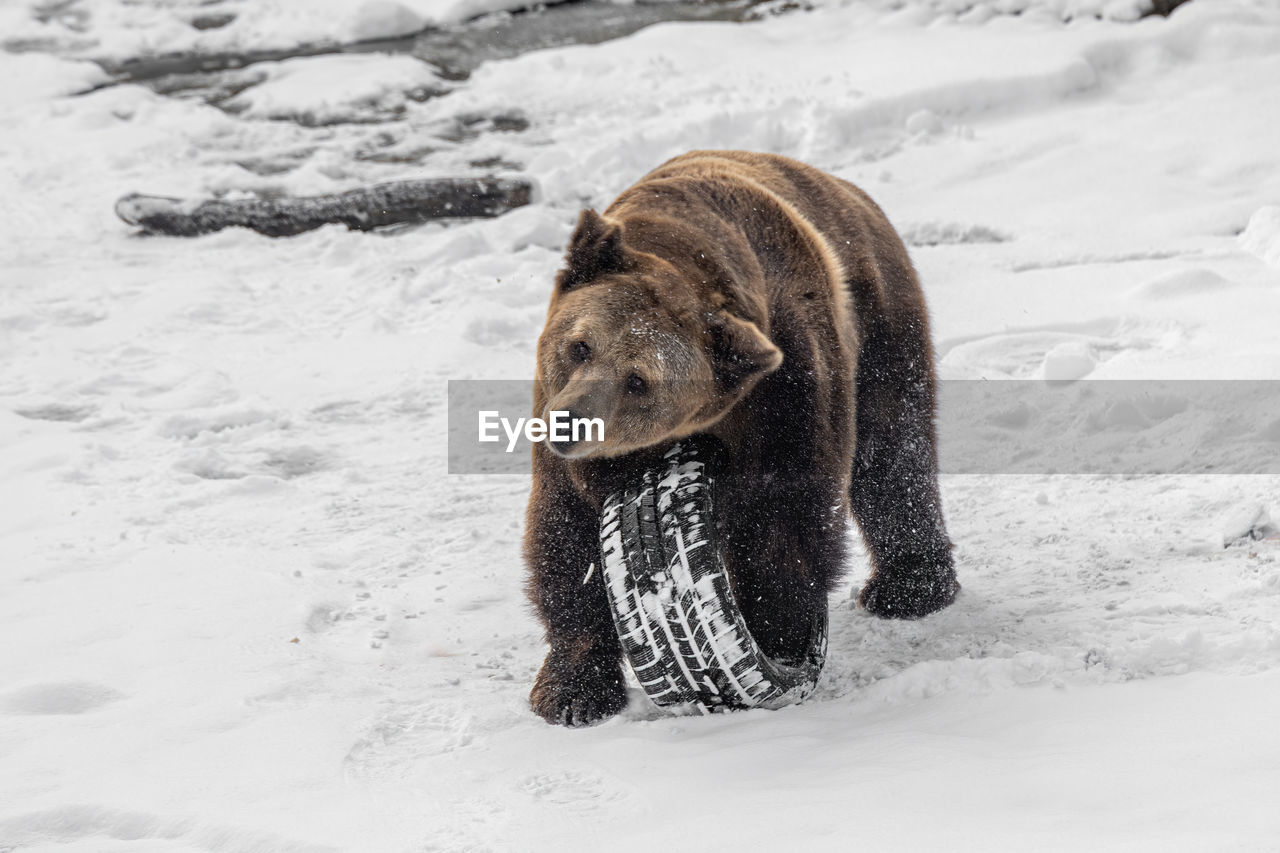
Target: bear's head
<point>632,343</point>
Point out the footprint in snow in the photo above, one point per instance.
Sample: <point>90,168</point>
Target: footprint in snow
<point>1050,353</point>
<point>394,741</point>
<point>216,422</point>
<point>950,234</point>
<point>286,463</point>
<point>569,788</point>
<point>291,462</point>
<point>56,412</point>
<point>64,698</point>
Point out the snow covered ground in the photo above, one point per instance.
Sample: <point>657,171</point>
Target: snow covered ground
<point>243,606</point>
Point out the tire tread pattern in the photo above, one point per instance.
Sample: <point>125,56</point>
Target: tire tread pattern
<point>673,604</point>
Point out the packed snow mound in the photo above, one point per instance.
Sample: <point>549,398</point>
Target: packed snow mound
<point>1196,281</point>
<point>318,90</point>
<point>1249,523</point>
<point>35,77</point>
<point>381,19</point>
<point>1262,235</point>
<point>1068,361</point>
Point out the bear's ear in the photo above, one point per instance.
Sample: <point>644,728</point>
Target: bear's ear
<point>740,350</point>
<point>594,250</point>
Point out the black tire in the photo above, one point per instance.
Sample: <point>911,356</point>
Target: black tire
<point>672,602</point>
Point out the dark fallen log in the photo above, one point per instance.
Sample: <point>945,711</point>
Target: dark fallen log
<point>361,210</point>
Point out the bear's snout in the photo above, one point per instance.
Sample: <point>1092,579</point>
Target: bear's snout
<point>564,442</point>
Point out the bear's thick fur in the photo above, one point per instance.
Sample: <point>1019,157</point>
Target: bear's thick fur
<point>760,301</point>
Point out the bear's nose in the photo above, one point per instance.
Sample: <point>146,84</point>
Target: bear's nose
<point>561,437</point>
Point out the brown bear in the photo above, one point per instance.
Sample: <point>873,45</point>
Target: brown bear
<point>759,301</point>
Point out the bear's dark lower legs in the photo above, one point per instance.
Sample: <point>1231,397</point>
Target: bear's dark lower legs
<point>784,549</point>
<point>781,607</point>
<point>581,681</point>
<point>894,497</point>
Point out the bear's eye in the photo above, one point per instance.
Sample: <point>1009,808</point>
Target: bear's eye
<point>636,384</point>
<point>580,351</point>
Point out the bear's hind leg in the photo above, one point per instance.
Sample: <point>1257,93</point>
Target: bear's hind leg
<point>894,495</point>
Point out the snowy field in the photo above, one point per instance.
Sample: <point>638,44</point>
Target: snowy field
<point>244,608</point>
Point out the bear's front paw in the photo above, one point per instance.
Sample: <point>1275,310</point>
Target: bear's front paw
<point>909,595</point>
<point>582,695</point>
